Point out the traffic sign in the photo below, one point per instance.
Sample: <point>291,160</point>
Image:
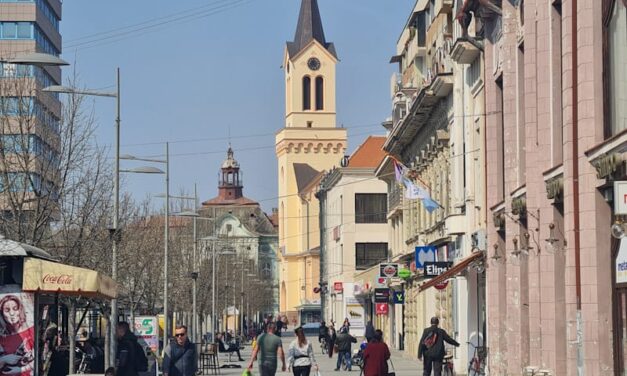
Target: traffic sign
<point>382,308</point>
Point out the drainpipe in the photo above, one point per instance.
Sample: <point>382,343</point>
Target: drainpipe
<point>575,80</point>
<point>321,196</point>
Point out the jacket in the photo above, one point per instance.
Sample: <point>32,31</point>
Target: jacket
<point>343,342</point>
<point>437,351</point>
<point>180,360</point>
<point>369,332</point>
<point>376,357</point>
<point>125,358</point>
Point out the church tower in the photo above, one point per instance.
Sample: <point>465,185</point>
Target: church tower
<point>308,145</point>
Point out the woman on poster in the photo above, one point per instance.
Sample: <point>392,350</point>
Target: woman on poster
<point>16,336</point>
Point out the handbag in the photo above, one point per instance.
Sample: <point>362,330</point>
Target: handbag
<point>393,373</point>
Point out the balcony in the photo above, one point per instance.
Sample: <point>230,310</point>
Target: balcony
<point>395,197</point>
<point>465,50</point>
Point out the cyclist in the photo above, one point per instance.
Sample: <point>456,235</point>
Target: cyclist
<point>432,347</point>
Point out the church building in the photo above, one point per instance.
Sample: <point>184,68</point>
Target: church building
<point>309,145</point>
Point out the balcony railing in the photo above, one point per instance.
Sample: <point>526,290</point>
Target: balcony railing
<point>395,196</point>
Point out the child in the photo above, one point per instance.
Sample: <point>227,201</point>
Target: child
<point>110,371</point>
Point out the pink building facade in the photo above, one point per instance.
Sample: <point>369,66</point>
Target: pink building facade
<point>555,144</point>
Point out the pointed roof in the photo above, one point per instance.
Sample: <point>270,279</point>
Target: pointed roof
<point>309,28</point>
<point>304,174</point>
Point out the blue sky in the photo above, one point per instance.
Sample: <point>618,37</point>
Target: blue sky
<point>216,71</point>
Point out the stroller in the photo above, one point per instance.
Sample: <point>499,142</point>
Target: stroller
<point>358,355</point>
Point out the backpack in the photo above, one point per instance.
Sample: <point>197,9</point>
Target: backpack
<point>430,340</point>
<point>141,362</point>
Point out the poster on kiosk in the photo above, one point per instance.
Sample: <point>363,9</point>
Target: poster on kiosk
<point>17,331</point>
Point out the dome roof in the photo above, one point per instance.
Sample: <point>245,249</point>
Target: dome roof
<point>230,162</point>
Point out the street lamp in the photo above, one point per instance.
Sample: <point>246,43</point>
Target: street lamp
<point>116,185</point>
<point>213,276</point>
<point>194,275</point>
<point>154,170</point>
<point>36,58</point>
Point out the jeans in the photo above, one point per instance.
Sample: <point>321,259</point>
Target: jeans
<point>267,368</point>
<point>301,370</point>
<point>344,357</point>
<point>435,364</point>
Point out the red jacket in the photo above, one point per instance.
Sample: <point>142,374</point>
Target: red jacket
<point>376,357</point>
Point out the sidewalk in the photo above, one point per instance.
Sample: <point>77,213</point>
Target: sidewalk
<point>403,366</point>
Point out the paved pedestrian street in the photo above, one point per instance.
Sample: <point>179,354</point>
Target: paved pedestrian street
<point>402,366</point>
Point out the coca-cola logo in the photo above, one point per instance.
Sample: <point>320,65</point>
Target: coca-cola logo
<point>62,279</point>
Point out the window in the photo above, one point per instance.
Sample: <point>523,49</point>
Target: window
<point>370,254</point>
<point>306,93</point>
<point>617,80</point>
<point>319,93</point>
<point>370,208</point>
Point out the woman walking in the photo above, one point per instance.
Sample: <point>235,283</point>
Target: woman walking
<point>376,356</point>
<point>300,355</point>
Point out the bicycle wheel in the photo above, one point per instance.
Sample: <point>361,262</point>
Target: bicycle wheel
<point>447,369</point>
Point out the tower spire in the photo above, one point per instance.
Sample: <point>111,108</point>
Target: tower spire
<point>309,28</point>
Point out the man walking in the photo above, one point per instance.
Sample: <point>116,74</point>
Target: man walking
<point>343,343</point>
<point>180,357</point>
<point>432,347</point>
<point>269,348</point>
<point>126,358</point>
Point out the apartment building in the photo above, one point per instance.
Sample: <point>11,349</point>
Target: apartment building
<point>353,210</point>
<point>29,138</point>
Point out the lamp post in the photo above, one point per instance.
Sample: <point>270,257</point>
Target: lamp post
<point>116,186</point>
<point>154,170</point>
<point>214,254</point>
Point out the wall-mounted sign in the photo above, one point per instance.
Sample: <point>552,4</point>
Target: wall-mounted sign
<point>147,332</point>
<point>381,282</point>
<point>388,270</point>
<point>620,197</point>
<point>404,273</point>
<point>441,286</point>
<point>338,287</point>
<point>398,297</point>
<point>382,308</point>
<point>381,295</point>
<point>621,262</point>
<point>434,269</point>
<point>424,254</point>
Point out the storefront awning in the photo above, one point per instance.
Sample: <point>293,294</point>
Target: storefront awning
<point>46,276</point>
<point>453,271</point>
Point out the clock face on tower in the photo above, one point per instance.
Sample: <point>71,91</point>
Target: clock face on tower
<point>313,64</point>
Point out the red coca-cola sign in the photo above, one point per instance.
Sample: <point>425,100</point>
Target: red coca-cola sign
<point>61,279</point>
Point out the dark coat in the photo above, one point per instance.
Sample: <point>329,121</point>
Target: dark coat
<point>180,360</point>
<point>369,331</point>
<point>437,351</point>
<point>343,342</point>
<point>125,359</point>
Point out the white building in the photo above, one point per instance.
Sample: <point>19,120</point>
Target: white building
<point>353,208</point>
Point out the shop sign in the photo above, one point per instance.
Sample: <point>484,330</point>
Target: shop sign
<point>356,315</point>
<point>398,297</point>
<point>388,270</point>
<point>404,273</point>
<point>620,197</point>
<point>441,285</point>
<point>382,309</point>
<point>61,279</point>
<point>621,262</point>
<point>381,295</point>
<point>381,282</point>
<point>424,254</point>
<point>435,268</point>
<point>146,330</point>
<point>338,287</point>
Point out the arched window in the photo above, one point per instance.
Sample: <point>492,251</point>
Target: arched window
<point>319,93</point>
<point>306,93</point>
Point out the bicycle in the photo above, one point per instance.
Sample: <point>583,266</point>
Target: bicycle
<point>448,368</point>
<point>476,366</point>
